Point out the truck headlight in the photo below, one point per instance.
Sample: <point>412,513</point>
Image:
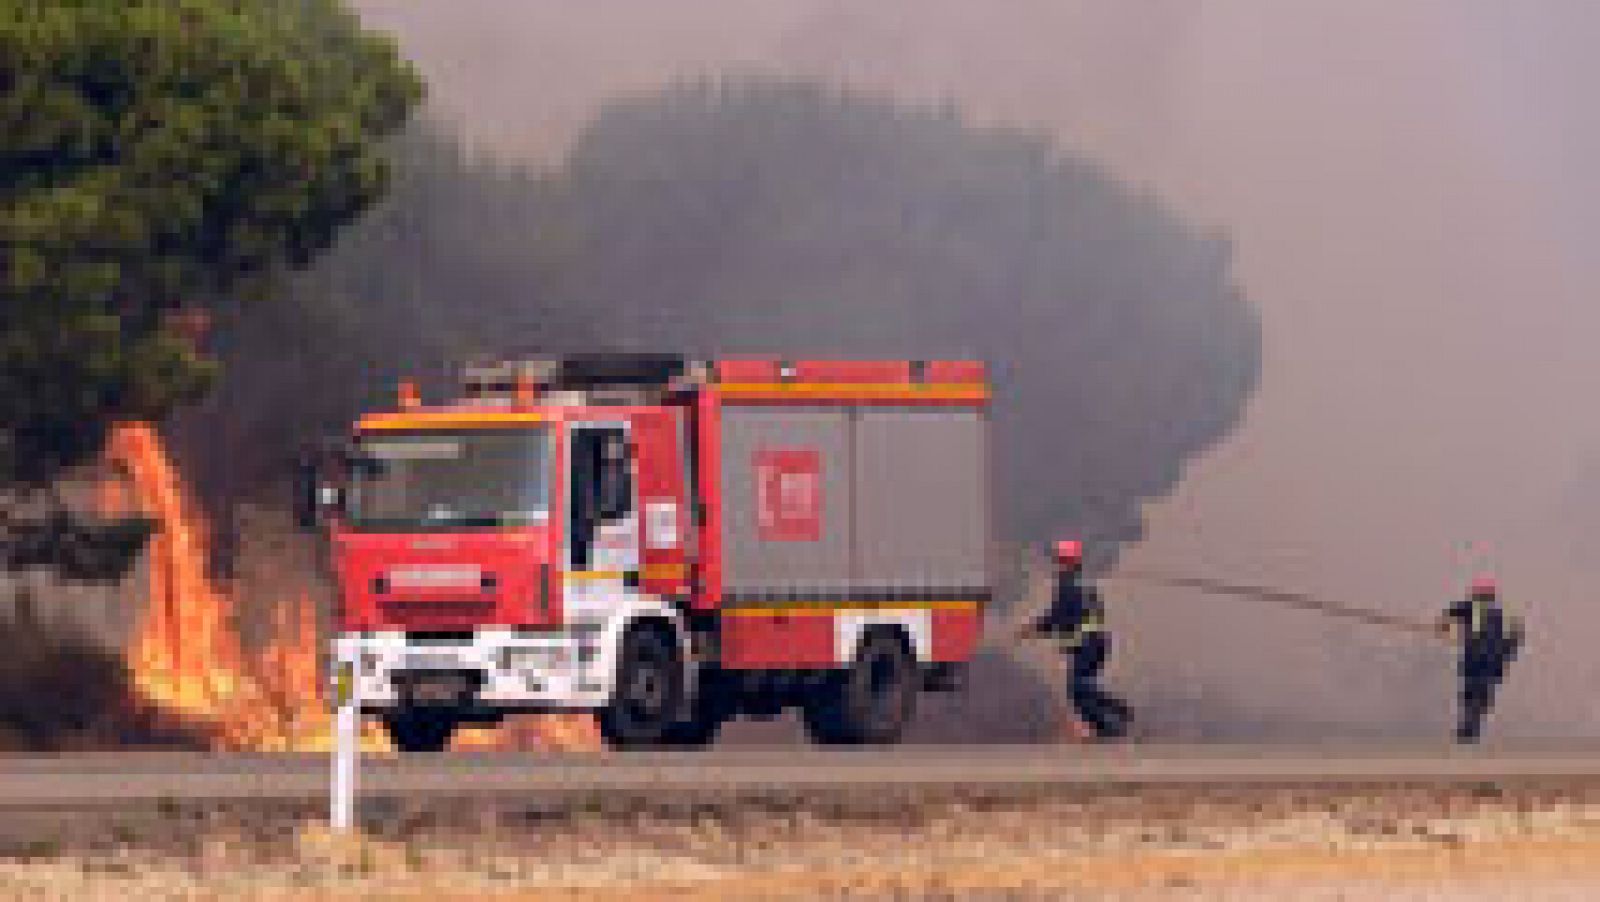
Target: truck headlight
<point>587,639</point>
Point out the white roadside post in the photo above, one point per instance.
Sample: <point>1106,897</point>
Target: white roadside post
<point>346,744</point>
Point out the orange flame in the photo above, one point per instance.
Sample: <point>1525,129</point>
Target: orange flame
<point>187,655</point>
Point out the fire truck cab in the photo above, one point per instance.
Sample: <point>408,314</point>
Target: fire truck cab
<point>667,544</point>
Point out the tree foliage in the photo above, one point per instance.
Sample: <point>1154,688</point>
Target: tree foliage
<point>157,156</point>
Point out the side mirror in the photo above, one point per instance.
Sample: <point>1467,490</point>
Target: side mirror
<point>307,496</point>
<point>314,499</point>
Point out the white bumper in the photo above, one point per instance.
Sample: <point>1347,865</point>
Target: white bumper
<point>568,669</point>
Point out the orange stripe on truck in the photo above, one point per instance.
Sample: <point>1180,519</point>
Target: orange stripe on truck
<point>461,419</point>
<point>845,391</point>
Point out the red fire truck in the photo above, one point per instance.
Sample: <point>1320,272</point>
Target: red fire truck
<point>668,544</point>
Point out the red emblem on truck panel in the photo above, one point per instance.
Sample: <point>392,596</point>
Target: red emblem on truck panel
<point>789,494</point>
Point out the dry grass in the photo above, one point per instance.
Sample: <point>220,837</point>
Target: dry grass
<point>1088,844</point>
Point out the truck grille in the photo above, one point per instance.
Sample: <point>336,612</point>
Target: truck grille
<point>429,611</point>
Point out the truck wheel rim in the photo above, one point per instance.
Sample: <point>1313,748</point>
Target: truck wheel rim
<point>881,677</point>
<point>881,703</point>
<point>645,690</point>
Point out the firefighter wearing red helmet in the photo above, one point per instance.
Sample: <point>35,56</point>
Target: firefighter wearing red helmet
<point>1489,638</point>
<point>1076,619</point>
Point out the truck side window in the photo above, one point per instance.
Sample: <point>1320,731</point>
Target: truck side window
<point>602,486</point>
<point>615,487</point>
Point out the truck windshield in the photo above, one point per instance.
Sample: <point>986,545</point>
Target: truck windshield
<point>434,480</point>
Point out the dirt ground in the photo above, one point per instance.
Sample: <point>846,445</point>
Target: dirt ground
<point>1400,842</point>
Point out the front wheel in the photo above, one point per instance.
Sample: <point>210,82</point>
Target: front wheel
<point>649,691</point>
<point>872,702</point>
<point>711,708</point>
<point>418,730</point>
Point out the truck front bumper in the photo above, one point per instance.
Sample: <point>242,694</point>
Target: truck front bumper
<point>512,671</point>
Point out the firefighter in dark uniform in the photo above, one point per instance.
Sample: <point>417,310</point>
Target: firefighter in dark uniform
<point>1076,620</point>
<point>1489,638</point>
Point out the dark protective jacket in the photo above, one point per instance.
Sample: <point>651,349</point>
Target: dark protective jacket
<point>1076,613</point>
<point>1490,636</point>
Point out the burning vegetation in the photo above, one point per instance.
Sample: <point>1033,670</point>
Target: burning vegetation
<point>187,654</point>
<point>189,659</point>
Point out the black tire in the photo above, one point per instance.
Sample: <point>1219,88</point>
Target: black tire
<point>712,707</point>
<point>649,692</point>
<point>420,730</point>
<point>872,702</point>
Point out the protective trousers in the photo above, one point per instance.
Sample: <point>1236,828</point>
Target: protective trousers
<point>1103,712</point>
<point>1478,684</point>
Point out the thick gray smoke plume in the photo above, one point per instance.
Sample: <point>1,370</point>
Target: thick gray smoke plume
<point>757,217</point>
<point>754,216</point>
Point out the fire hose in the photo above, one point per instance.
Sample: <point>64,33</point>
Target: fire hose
<point>1299,600</point>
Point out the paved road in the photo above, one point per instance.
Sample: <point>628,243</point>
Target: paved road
<point>89,780</point>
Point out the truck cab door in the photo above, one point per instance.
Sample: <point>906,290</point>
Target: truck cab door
<point>603,511</point>
<point>659,436</point>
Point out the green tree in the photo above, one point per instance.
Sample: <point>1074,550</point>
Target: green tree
<point>160,157</point>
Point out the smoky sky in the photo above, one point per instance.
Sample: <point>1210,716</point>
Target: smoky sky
<point>1409,185</point>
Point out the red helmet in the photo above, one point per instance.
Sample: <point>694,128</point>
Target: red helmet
<point>1484,586</point>
<point>1069,551</point>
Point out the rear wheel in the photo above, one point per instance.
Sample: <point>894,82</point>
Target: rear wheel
<point>872,702</point>
<point>649,691</point>
<point>420,730</point>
